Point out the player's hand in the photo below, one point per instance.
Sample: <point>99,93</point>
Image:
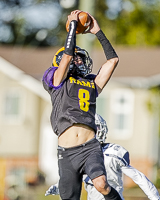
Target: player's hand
<point>53,190</point>
<point>74,15</point>
<point>94,27</point>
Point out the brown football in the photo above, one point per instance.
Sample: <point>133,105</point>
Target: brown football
<point>84,21</point>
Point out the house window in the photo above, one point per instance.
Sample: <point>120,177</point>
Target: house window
<point>12,106</point>
<point>122,102</point>
<point>101,106</point>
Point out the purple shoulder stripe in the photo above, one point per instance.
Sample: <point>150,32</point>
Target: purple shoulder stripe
<point>48,78</point>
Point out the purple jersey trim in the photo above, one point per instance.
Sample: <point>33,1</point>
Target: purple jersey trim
<point>48,78</point>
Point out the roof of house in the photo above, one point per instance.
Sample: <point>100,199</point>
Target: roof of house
<point>135,63</point>
<point>22,78</point>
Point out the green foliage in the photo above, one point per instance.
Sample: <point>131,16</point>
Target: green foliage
<point>153,103</point>
<point>139,27</point>
<point>158,179</point>
<point>100,10</point>
<point>134,23</point>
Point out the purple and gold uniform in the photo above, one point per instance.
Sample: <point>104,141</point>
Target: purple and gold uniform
<point>79,95</point>
<point>74,101</point>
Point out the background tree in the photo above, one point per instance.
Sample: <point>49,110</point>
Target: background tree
<point>139,22</point>
<point>42,22</point>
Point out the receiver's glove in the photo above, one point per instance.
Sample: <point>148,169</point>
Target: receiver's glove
<point>53,190</point>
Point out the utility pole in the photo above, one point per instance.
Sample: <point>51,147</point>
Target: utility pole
<point>85,40</point>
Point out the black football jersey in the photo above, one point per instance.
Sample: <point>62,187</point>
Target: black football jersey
<point>73,101</point>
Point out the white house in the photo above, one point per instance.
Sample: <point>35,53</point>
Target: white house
<point>26,137</point>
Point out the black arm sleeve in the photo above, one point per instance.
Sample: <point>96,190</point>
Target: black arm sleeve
<point>70,43</point>
<point>107,47</point>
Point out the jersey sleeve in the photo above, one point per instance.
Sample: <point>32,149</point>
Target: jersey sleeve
<point>123,158</point>
<point>126,158</point>
<point>140,179</point>
<point>48,78</point>
<point>118,153</point>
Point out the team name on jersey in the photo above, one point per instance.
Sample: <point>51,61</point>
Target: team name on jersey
<point>78,82</point>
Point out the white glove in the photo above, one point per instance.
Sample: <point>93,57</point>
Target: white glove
<point>53,190</point>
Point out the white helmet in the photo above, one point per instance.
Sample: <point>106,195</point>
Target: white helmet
<point>102,128</point>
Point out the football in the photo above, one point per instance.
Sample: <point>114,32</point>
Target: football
<point>84,21</point>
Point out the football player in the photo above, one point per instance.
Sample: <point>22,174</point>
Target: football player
<point>116,160</point>
<point>73,94</point>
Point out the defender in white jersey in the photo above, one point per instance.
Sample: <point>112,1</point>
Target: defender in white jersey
<point>117,163</point>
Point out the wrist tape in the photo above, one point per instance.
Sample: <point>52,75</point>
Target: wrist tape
<point>107,47</point>
<point>70,43</point>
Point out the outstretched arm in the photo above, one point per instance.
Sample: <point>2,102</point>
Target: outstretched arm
<point>140,179</point>
<point>70,44</point>
<point>112,59</point>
